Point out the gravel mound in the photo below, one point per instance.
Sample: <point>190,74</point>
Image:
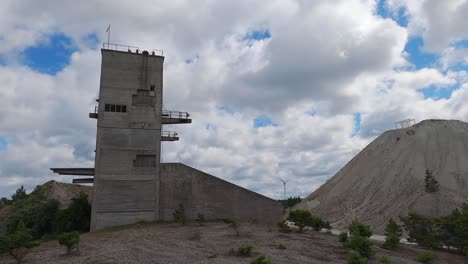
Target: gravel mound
<point>386,179</point>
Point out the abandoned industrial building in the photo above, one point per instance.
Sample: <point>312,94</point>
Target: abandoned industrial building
<point>130,184</point>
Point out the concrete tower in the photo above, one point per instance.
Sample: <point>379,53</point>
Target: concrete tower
<point>128,142</point>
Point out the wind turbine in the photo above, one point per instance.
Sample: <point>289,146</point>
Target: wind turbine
<point>284,188</point>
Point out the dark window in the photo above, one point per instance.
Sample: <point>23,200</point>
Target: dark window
<point>152,87</point>
<point>115,108</point>
<point>145,161</point>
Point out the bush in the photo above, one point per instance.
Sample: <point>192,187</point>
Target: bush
<point>430,183</point>
<point>70,240</point>
<point>360,229</point>
<point>465,252</point>
<point>234,224</point>
<point>355,258</point>
<point>318,223</point>
<point>17,244</point>
<point>284,227</point>
<point>384,260</point>
<point>179,215</point>
<point>245,250</point>
<point>393,235</point>
<point>200,219</point>
<point>76,217</point>
<point>300,218</point>
<point>360,244</point>
<point>261,260</point>
<point>343,237</point>
<point>421,229</point>
<point>426,257</point>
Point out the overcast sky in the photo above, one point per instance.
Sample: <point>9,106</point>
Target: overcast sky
<point>287,89</point>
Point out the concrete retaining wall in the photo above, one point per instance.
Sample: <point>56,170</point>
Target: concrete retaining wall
<point>215,198</point>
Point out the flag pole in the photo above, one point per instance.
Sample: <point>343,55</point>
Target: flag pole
<point>108,36</point>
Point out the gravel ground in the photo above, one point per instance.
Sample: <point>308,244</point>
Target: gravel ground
<point>211,243</point>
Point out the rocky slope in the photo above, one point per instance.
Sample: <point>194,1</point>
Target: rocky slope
<point>386,179</point>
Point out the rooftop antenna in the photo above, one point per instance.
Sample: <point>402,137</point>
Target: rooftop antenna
<point>284,188</point>
<point>108,35</point>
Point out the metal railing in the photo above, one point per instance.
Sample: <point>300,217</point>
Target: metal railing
<point>171,134</point>
<point>175,114</point>
<point>119,47</point>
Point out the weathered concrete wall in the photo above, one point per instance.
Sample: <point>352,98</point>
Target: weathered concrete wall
<point>215,198</point>
<point>126,188</point>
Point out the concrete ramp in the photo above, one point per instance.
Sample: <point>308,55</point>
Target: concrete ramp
<point>213,197</point>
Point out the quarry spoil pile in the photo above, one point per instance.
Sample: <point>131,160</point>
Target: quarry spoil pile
<point>386,179</point>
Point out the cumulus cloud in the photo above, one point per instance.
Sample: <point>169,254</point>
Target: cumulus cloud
<point>313,68</point>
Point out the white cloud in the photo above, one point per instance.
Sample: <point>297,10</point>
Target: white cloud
<point>329,58</point>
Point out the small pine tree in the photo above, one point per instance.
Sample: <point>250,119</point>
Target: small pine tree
<point>179,215</point>
<point>431,184</point>
<point>69,240</point>
<point>360,229</point>
<point>393,233</point>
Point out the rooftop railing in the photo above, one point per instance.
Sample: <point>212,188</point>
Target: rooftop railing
<point>175,114</point>
<point>127,48</point>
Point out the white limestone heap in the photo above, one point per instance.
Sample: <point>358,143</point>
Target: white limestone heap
<point>386,179</point>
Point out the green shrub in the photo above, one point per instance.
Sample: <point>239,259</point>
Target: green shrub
<point>234,224</point>
<point>384,260</point>
<point>430,183</point>
<point>356,258</point>
<point>360,229</point>
<point>421,229</point>
<point>282,246</point>
<point>360,244</point>
<point>70,240</point>
<point>76,217</point>
<point>200,219</point>
<point>465,252</point>
<point>284,227</point>
<point>245,250</point>
<point>343,237</point>
<point>18,243</point>
<point>179,215</point>
<point>393,235</point>
<point>317,223</point>
<point>261,260</point>
<point>300,218</point>
<point>426,257</point>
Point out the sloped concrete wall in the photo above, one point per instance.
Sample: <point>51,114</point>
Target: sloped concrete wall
<point>215,198</point>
